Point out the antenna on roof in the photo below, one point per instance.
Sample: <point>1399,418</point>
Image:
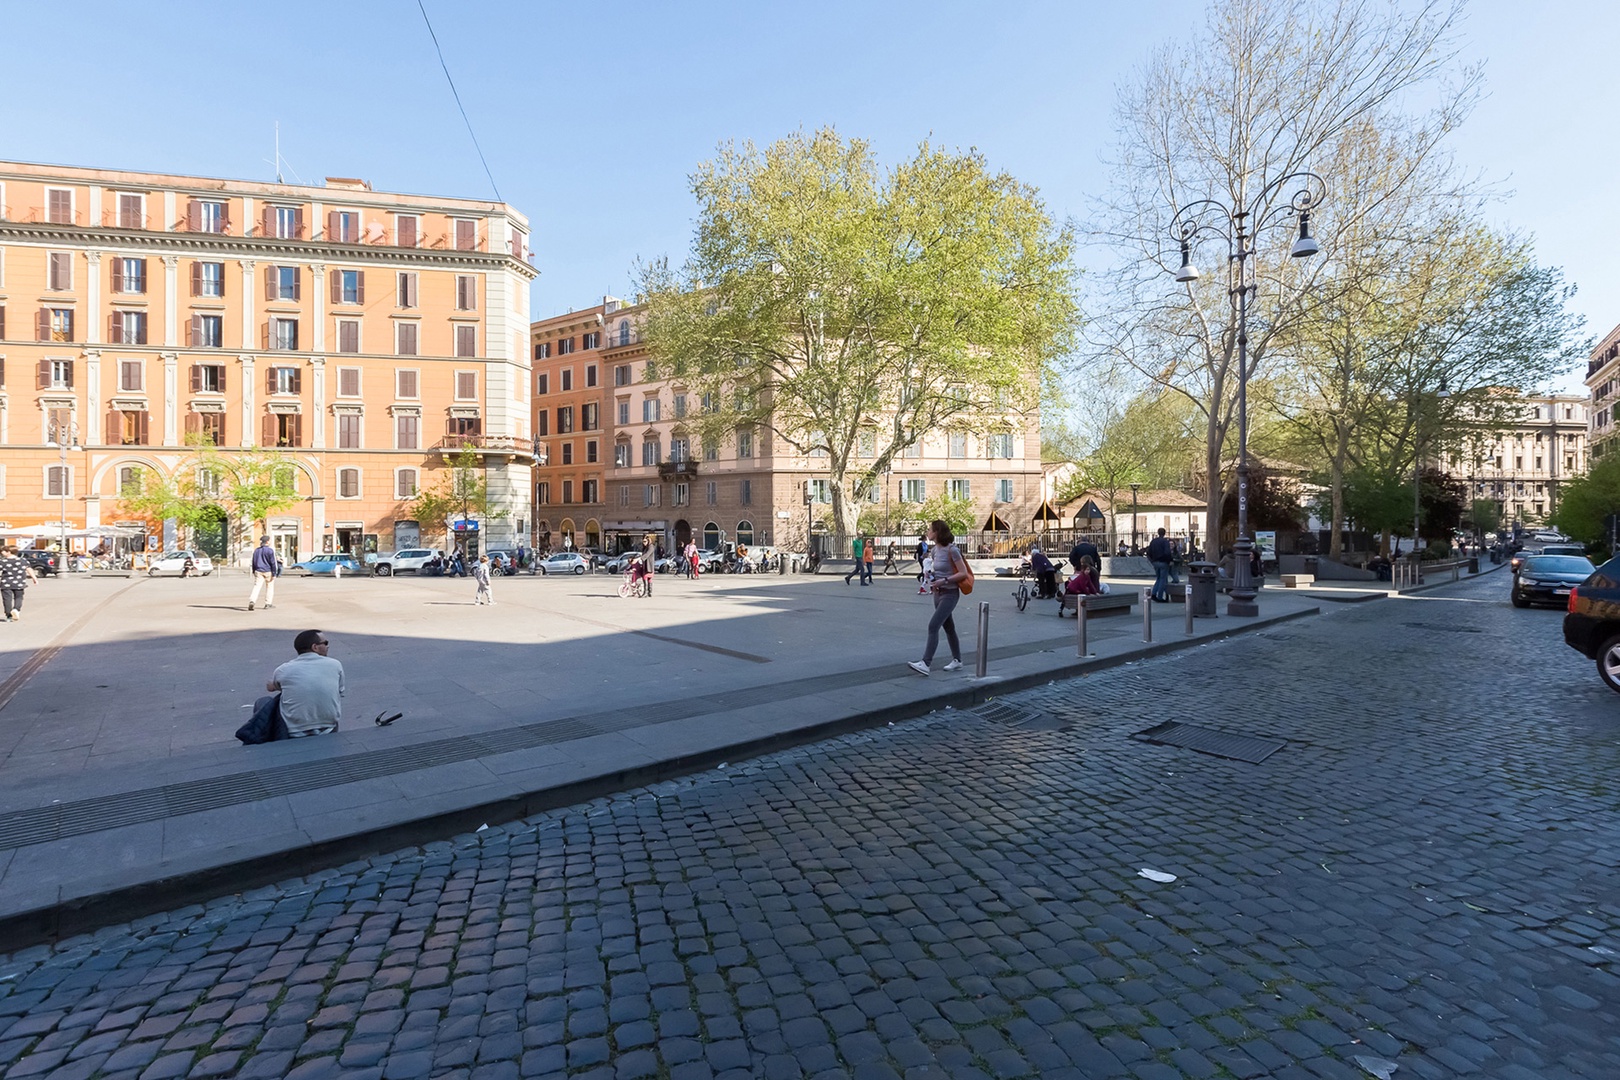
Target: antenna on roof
<point>278,153</point>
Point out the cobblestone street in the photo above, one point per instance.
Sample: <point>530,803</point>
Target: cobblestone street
<point>1424,876</point>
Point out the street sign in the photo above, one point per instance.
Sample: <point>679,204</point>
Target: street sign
<point>466,526</point>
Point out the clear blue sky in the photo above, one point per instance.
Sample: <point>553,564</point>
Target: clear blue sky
<point>593,115</point>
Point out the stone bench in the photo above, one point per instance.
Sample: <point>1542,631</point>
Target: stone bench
<point>1295,581</point>
<point>1121,599</point>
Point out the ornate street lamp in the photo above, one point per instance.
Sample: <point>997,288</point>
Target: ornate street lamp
<point>1240,232</point>
<point>61,435</point>
<point>1134,546</point>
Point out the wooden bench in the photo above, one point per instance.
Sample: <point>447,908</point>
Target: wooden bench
<point>1294,581</point>
<point>1121,599</point>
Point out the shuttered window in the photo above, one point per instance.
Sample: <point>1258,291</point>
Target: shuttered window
<point>207,378</point>
<point>348,286</point>
<point>348,335</point>
<point>407,289</point>
<point>466,292</point>
<point>130,374</point>
<point>405,339</point>
<point>208,279</point>
<point>348,382</point>
<point>405,484</point>
<point>207,216</point>
<point>60,272</point>
<point>405,231</point>
<point>466,234</point>
<point>466,386</point>
<point>206,331</point>
<point>348,431</point>
<point>407,431</point>
<point>348,483</point>
<point>131,211</point>
<point>466,341</point>
<point>59,206</point>
<point>405,384</point>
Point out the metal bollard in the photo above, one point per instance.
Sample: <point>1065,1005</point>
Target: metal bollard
<point>982,663</point>
<point>1186,603</point>
<point>1147,613</point>
<point>1080,628</point>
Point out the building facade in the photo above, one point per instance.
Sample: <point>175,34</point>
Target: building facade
<point>365,335</point>
<point>1520,466</point>
<point>1603,386</point>
<point>570,428</point>
<point>656,479</point>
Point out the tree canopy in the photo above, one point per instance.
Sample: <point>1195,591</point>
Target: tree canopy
<point>850,311</point>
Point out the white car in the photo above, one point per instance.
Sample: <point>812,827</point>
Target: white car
<point>404,561</point>
<point>173,563</point>
<point>564,562</point>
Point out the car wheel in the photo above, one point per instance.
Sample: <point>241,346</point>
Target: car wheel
<point>1519,601</point>
<point>1608,662</point>
<point>384,570</point>
<point>152,572</point>
<point>579,569</point>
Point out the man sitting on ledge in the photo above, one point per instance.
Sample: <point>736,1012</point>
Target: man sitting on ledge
<point>311,686</point>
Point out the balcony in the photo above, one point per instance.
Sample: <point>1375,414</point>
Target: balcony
<point>677,470</point>
<point>532,451</point>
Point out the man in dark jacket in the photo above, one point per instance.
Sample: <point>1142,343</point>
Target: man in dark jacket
<point>15,574</point>
<point>1160,553</point>
<point>1080,550</point>
<point>265,568</point>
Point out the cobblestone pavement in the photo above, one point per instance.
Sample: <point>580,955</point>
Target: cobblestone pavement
<point>1423,876</point>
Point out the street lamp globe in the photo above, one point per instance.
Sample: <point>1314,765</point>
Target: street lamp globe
<point>1305,246</point>
<point>1188,271</point>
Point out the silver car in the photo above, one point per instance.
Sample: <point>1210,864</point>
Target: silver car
<point>404,561</point>
<point>173,564</point>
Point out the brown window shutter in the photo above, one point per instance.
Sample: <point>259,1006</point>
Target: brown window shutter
<point>225,219</point>
<point>224,377</point>
<point>142,263</point>
<point>193,216</point>
<point>268,430</point>
<point>143,437</point>
<point>193,420</point>
<point>42,326</point>
<point>270,283</point>
<point>298,224</point>
<point>115,427</point>
<point>336,278</point>
<point>2,332</point>
<point>360,286</point>
<point>115,327</point>
<point>298,275</point>
<point>332,225</point>
<point>268,222</point>
<point>196,279</point>
<point>196,375</point>
<point>297,430</point>
<point>297,380</point>
<point>412,283</point>
<point>450,426</point>
<point>194,337</point>
<point>269,380</point>
<point>140,331</point>
<point>117,273</point>
<point>42,375</point>
<point>71,364</point>
<point>407,232</point>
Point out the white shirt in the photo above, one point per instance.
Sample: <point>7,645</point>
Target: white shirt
<point>312,689</point>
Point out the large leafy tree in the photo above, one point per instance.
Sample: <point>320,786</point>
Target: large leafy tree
<point>461,490</point>
<point>849,311</point>
<point>245,485</point>
<point>1586,502</point>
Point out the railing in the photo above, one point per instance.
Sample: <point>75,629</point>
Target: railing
<point>675,470</point>
<point>612,339</point>
<point>494,444</point>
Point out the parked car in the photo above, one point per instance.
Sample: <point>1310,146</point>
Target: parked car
<point>173,563</point>
<point>404,561</point>
<point>43,562</point>
<point>329,564</point>
<point>1564,549</point>
<point>1547,579</point>
<point>564,562</point>
<point>618,564</point>
<point>1592,622</point>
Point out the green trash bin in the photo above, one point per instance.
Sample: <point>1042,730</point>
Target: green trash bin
<point>1202,577</point>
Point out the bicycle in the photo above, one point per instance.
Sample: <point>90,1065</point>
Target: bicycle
<point>1023,593</point>
<point>633,585</point>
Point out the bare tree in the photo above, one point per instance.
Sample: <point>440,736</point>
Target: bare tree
<point>1272,88</point>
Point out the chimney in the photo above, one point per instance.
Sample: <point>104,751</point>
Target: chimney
<point>349,183</point>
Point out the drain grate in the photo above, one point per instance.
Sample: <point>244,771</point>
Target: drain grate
<point>1209,741</point>
<point>1018,716</point>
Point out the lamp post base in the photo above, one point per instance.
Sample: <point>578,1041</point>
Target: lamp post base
<point>1242,602</point>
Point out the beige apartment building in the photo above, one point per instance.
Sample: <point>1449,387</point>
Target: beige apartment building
<point>1522,466</point>
<point>570,428</point>
<point>655,478</point>
<point>366,335</point>
<point>1603,385</point>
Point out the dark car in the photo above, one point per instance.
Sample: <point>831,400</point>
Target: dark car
<point>43,562</point>
<point>1547,579</point>
<point>1592,627</point>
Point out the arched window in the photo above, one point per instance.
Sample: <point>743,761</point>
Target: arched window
<point>745,532</point>
<point>711,536</point>
<point>624,331</point>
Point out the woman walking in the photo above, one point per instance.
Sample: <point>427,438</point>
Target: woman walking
<point>946,571</point>
<point>480,572</point>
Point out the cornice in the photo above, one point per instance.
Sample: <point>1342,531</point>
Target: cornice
<point>261,248</point>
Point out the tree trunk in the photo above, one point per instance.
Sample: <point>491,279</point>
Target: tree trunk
<point>1336,480</point>
<point>846,510</point>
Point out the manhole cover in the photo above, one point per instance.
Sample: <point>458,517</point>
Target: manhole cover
<point>1209,741</point>
<point>1018,716</point>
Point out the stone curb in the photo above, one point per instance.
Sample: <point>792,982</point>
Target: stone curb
<point>87,914</point>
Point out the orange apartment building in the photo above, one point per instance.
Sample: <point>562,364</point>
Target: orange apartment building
<point>654,477</point>
<point>367,335</point>
<point>570,430</point>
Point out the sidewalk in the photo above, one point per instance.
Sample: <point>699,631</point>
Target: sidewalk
<point>126,793</point>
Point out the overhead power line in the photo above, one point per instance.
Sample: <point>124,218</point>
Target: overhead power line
<point>457,95</point>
